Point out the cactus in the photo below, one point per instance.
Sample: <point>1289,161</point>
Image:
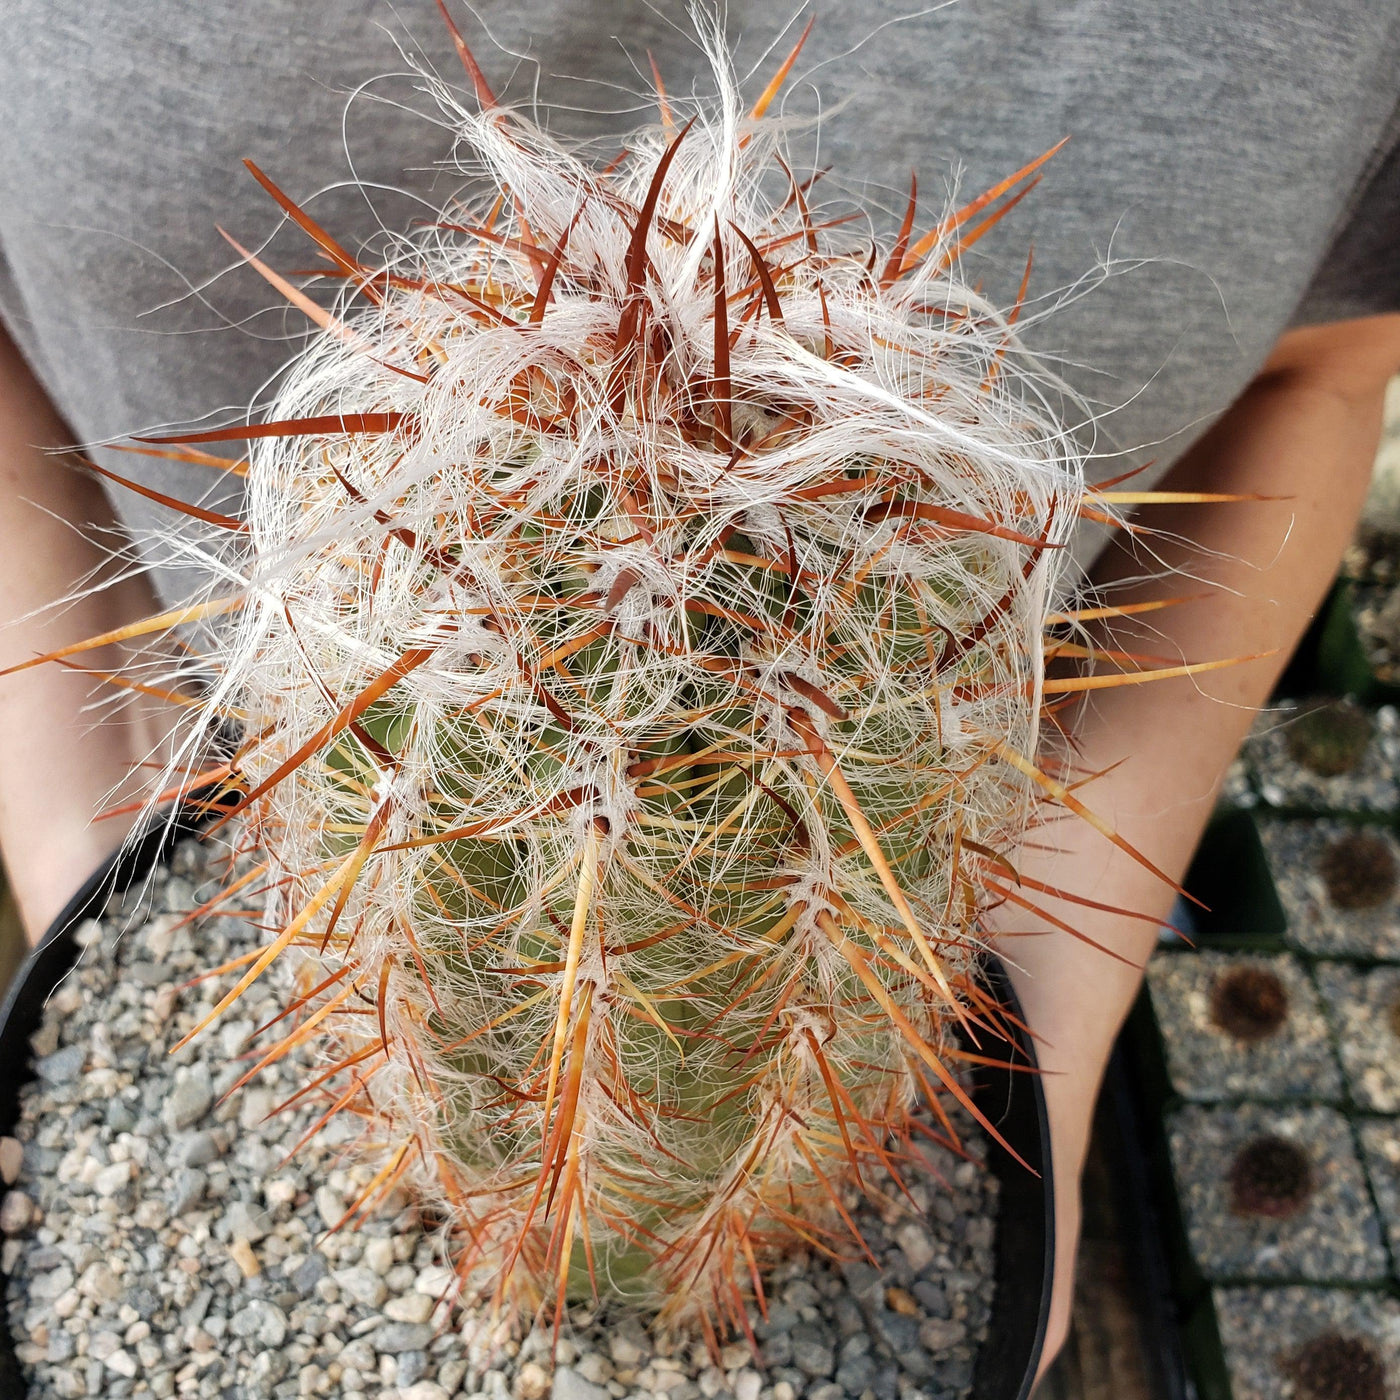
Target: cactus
<point>1337,1366</point>
<point>637,642</point>
<point>1358,870</point>
<point>1249,1002</point>
<point>1330,737</point>
<point>1272,1177</point>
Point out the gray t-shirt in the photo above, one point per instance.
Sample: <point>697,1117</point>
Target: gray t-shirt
<point>1238,165</point>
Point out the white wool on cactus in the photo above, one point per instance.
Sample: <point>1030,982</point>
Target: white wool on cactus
<point>636,640</point>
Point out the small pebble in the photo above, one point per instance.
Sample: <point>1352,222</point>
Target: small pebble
<point>330,1206</point>
<point>569,1385</point>
<point>63,1066</point>
<point>122,1363</point>
<point>362,1285</point>
<point>411,1307</point>
<point>190,1098</point>
<point>747,1385</point>
<point>17,1213</point>
<point>532,1381</point>
<point>112,1179</point>
<point>11,1158</point>
<point>242,1254</point>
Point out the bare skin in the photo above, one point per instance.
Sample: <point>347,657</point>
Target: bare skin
<point>1306,429</point>
<point>59,766</point>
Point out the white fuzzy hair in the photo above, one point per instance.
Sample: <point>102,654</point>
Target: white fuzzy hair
<point>672,711</point>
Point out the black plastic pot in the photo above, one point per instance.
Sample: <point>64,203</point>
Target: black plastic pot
<point>1011,1098</point>
<point>1014,1100</point>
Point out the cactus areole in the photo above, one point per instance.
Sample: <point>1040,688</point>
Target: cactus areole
<point>637,637</point>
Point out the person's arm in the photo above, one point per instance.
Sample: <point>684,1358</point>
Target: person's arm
<point>58,764</point>
<point>1306,429</point>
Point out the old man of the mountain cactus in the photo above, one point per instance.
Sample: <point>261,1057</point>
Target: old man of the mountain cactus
<point>638,647</point>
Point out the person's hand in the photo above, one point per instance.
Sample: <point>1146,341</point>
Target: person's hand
<point>61,762</point>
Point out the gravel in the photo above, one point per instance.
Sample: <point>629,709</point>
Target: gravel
<point>1316,924</point>
<point>1372,785</point>
<point>1364,1007</point>
<point>1208,1063</point>
<point>1333,1236</point>
<point>1237,786</point>
<point>1380,1150</point>
<point>1270,1336</point>
<point>157,1242</point>
<point>1377,615</point>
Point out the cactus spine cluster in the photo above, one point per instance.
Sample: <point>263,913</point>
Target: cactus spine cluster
<point>637,639</point>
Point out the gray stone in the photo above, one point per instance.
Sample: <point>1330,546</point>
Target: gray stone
<point>428,1390</point>
<point>63,1066</point>
<point>898,1332</point>
<point>359,1354</point>
<point>955,1372</point>
<point>262,1320</point>
<point>120,1117</point>
<point>309,1272</point>
<point>938,1334</point>
<point>781,1318</point>
<point>113,1179</point>
<point>849,1321</point>
<point>886,1383</point>
<point>747,1384</point>
<point>411,1367</point>
<point>62,1346</point>
<point>916,1363</point>
<point>190,1098</point>
<point>188,1190</point>
<point>569,1385</point>
<point>330,1206</point>
<point>245,1221</point>
<point>99,1283</point>
<point>790,1375</point>
<point>932,1296</point>
<point>855,1375</point>
<point>800,1294</point>
<point>916,1245</point>
<point>199,1149</point>
<point>856,1345</point>
<point>810,1353</point>
<point>267,1369</point>
<point>777,1350</point>
<point>628,1347</point>
<point>143,1300</point>
<point>863,1281</point>
<point>396,1337</point>
<point>362,1285</point>
<point>192,1314</point>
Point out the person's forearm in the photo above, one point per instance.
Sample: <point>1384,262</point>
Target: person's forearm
<point>1294,435</point>
<point>57,764</point>
<point>1276,559</point>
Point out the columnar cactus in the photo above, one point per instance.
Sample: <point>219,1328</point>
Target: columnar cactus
<point>638,645</point>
